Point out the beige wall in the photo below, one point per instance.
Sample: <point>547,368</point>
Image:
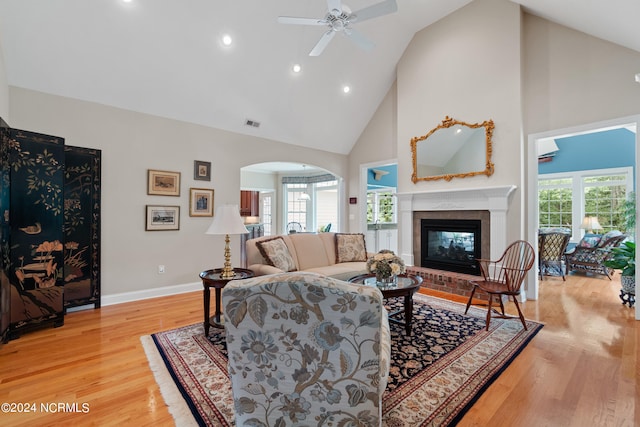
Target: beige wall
<point>377,143</point>
<point>475,64</point>
<point>131,143</point>
<point>465,66</point>
<point>4,89</point>
<point>572,79</point>
<point>259,181</point>
<point>490,61</point>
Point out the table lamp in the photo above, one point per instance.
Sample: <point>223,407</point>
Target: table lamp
<point>227,221</point>
<point>590,223</point>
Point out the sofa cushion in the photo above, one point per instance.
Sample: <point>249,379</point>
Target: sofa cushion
<point>276,253</point>
<point>310,250</point>
<point>350,247</point>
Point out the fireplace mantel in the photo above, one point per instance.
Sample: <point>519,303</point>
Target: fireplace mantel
<point>493,199</point>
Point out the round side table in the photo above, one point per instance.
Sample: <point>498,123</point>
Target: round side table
<point>213,279</point>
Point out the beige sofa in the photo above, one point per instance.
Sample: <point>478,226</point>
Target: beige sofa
<point>312,252</point>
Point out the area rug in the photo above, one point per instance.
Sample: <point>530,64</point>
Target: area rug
<point>436,374</point>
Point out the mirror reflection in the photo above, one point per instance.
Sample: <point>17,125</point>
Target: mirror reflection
<point>453,149</point>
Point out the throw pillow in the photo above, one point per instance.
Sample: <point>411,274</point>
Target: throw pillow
<point>277,254</point>
<point>350,247</point>
<point>589,241</point>
<point>608,235</point>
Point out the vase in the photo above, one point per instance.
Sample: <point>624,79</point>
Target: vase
<point>628,284</point>
<point>385,280</point>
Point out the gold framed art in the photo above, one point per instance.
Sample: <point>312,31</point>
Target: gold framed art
<point>163,183</point>
<point>200,202</point>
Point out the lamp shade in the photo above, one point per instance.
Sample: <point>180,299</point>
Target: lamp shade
<point>590,223</point>
<point>227,221</point>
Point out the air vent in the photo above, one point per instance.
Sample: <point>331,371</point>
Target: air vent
<point>252,123</point>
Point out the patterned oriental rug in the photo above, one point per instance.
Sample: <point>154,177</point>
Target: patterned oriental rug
<point>436,374</point>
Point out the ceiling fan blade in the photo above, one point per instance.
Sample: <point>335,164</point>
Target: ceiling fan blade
<point>379,9</point>
<point>335,7</point>
<point>301,21</point>
<point>322,43</point>
<point>359,39</point>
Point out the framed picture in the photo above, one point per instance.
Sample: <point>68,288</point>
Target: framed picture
<point>161,218</point>
<point>163,183</point>
<point>200,202</point>
<point>201,170</point>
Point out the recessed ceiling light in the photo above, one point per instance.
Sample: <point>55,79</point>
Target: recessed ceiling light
<point>296,68</point>
<point>226,40</point>
<point>346,89</point>
<point>638,78</point>
<point>126,1</point>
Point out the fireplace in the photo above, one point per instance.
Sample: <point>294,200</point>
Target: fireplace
<point>487,204</point>
<point>451,245</point>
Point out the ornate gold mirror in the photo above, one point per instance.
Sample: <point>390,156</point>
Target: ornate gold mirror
<point>453,149</point>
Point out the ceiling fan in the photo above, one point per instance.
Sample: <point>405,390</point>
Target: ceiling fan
<point>339,18</point>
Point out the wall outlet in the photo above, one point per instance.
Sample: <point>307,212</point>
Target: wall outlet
<point>161,269</point>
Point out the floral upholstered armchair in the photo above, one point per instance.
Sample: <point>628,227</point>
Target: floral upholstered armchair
<point>592,251</point>
<point>306,349</point>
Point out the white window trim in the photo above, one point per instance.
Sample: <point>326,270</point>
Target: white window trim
<point>578,187</point>
<point>377,204</point>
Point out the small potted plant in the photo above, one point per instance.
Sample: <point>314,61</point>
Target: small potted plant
<point>624,259</point>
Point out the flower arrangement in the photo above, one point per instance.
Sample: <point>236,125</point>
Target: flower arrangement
<point>385,264</point>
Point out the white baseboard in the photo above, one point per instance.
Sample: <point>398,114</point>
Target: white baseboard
<point>150,293</point>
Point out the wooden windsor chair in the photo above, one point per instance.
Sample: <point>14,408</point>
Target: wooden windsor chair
<point>504,277</point>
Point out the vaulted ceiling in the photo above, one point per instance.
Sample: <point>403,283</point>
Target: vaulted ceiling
<point>164,57</point>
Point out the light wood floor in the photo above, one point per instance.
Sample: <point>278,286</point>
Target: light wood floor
<point>580,370</point>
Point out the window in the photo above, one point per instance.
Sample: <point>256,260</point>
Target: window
<point>267,214</point>
<point>326,196</point>
<point>296,205</point>
<point>564,199</point>
<point>381,206</point>
<point>321,208</point>
<point>555,205</point>
<point>603,197</point>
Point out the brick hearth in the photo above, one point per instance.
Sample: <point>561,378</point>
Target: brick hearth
<point>447,281</point>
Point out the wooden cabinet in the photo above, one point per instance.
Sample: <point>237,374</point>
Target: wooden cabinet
<point>249,203</point>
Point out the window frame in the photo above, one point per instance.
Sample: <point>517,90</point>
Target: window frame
<point>578,188</point>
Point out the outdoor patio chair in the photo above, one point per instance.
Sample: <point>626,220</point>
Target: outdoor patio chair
<point>552,244</point>
<point>590,258</point>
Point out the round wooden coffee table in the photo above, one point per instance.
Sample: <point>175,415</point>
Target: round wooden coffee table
<point>405,286</point>
<point>213,279</point>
